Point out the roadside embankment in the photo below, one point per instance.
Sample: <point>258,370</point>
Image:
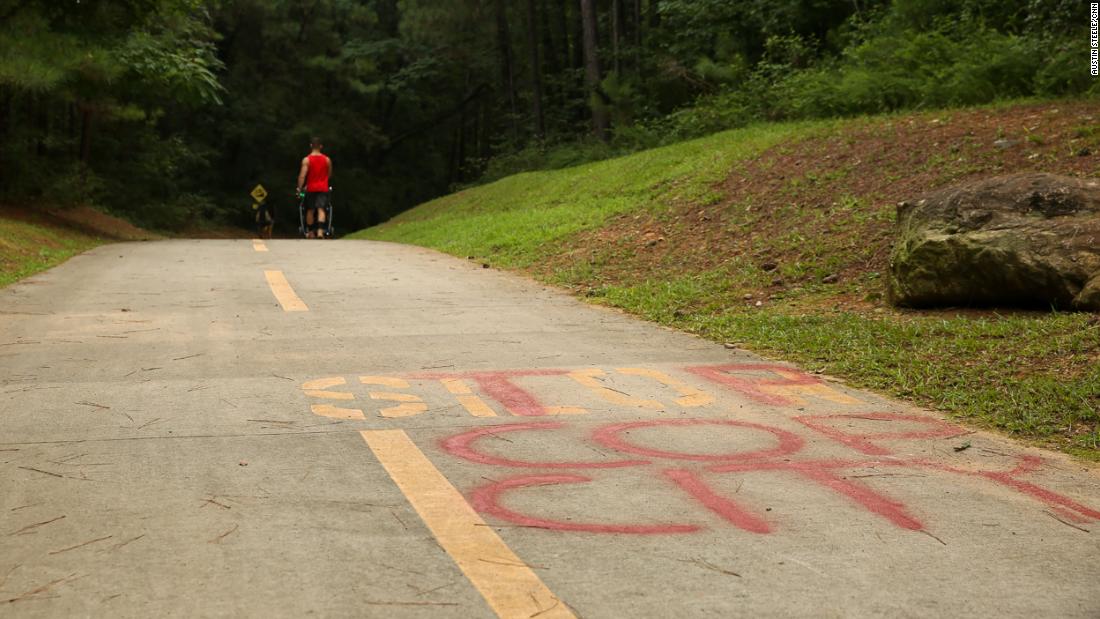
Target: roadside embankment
<point>776,238</point>
<point>33,240</point>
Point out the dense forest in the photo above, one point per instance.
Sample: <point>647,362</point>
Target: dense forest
<point>170,111</point>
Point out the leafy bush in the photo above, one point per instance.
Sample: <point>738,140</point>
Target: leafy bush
<point>183,210</point>
<point>1063,72</point>
<point>74,185</point>
<point>947,66</point>
<point>551,157</point>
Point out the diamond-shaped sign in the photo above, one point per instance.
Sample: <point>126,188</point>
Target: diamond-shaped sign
<point>259,193</point>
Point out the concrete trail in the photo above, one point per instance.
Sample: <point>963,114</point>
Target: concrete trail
<point>234,428</point>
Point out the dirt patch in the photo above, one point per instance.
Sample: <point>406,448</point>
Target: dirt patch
<point>89,220</point>
<point>820,211</point>
<point>83,219</point>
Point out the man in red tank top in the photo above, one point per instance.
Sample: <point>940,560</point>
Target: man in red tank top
<point>313,178</point>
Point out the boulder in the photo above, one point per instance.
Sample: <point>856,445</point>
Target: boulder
<point>1023,240</point>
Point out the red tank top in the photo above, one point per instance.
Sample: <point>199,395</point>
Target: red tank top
<point>317,176</point>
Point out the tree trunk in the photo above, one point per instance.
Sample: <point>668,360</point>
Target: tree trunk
<point>87,119</point>
<point>638,36</point>
<point>507,65</point>
<point>577,32</point>
<point>536,70</point>
<point>307,19</point>
<point>654,13</point>
<point>43,122</point>
<point>592,71</point>
<point>389,18</point>
<point>573,37</point>
<point>485,127</point>
<point>6,100</point>
<point>452,161</point>
<point>5,115</point>
<point>550,55</point>
<point>616,35</point>
<point>560,30</point>
<point>460,158</point>
<point>389,109</point>
<point>71,133</point>
<point>554,92</point>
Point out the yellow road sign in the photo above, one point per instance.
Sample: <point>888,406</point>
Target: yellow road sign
<point>259,193</point>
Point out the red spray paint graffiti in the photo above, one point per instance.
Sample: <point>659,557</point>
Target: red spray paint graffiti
<point>462,445</point>
<point>774,385</point>
<point>861,442</point>
<point>696,476</point>
<point>611,436</point>
<point>734,377</point>
<point>501,386</point>
<point>725,508</point>
<point>825,473</point>
<point>486,499</point>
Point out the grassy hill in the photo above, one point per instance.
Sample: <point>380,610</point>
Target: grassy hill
<point>775,238</point>
<point>33,240</point>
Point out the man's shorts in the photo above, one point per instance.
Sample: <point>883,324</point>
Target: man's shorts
<point>316,200</point>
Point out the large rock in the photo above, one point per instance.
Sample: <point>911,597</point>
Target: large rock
<point>1018,240</point>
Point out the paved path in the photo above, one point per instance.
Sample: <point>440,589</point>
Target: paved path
<point>223,428</point>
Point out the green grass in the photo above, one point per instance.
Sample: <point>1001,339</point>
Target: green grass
<point>1031,375</point>
<point>1005,372</point>
<point>517,219</point>
<point>28,248</point>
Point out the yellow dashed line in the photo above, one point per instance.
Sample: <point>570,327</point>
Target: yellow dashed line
<point>259,245</point>
<point>284,293</point>
<point>508,585</point>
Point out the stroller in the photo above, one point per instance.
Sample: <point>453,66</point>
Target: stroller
<point>327,232</point>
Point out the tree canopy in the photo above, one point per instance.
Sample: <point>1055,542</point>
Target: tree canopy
<point>169,111</point>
